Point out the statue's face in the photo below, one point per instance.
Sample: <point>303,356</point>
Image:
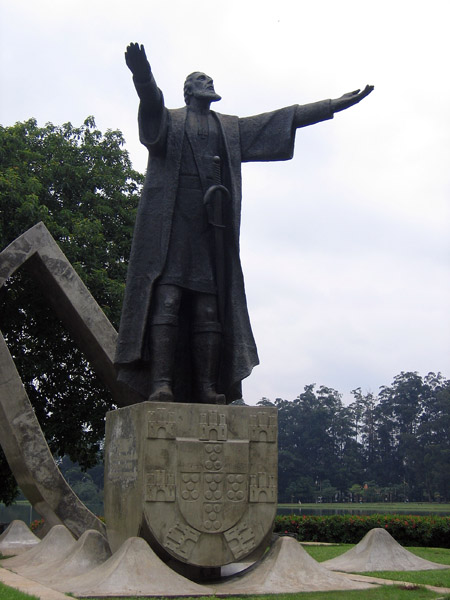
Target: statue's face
<point>202,86</point>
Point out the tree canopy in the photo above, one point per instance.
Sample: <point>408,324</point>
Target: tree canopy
<point>81,184</point>
<point>393,446</point>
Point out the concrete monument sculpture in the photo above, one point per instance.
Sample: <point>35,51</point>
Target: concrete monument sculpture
<point>185,332</point>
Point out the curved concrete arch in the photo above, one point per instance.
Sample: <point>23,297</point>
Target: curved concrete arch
<point>21,436</point>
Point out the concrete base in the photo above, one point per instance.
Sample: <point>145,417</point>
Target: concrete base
<point>197,481</point>
<point>17,539</point>
<point>56,544</point>
<point>378,551</point>
<point>134,570</point>
<point>287,568</point>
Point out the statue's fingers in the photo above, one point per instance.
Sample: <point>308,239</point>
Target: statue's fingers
<point>134,48</point>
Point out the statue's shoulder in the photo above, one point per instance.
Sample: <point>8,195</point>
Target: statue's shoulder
<point>177,114</point>
<point>225,118</point>
<point>229,123</point>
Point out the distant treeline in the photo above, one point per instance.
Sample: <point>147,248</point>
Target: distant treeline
<point>394,446</point>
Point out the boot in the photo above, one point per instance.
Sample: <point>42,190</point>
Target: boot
<point>206,346</point>
<point>163,340</point>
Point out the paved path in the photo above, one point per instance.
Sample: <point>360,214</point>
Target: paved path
<point>29,587</point>
<point>439,590</point>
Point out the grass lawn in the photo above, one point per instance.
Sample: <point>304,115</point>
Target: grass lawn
<point>410,508</point>
<point>9,593</point>
<point>321,553</point>
<point>435,577</point>
<point>383,593</point>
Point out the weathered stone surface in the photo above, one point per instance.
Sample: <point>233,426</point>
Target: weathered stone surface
<point>56,544</point>
<point>134,570</point>
<point>87,553</point>
<point>378,551</point>
<point>199,482</point>
<point>286,569</point>
<point>20,434</point>
<point>17,539</point>
<point>30,458</point>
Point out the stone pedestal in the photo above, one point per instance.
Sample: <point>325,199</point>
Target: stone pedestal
<point>198,482</point>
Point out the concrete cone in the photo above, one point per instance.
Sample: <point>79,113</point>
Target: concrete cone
<point>378,551</point>
<point>90,551</point>
<point>17,539</point>
<point>134,570</point>
<point>287,568</point>
<point>57,543</point>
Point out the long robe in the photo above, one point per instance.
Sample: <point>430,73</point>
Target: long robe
<point>266,137</point>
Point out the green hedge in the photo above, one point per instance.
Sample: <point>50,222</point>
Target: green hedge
<point>408,530</point>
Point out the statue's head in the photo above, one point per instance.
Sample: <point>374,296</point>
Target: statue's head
<point>199,85</point>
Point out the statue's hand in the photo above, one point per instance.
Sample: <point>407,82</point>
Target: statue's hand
<point>137,62</point>
<point>350,99</point>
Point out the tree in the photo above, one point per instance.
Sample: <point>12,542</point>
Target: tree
<point>316,443</point>
<point>434,437</point>
<point>81,184</point>
<point>394,446</point>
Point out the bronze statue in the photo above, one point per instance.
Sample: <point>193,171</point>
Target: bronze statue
<point>185,333</point>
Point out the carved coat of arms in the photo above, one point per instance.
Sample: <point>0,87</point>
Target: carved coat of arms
<point>204,478</point>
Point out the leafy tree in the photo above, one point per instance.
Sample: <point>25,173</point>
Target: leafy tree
<point>316,443</point>
<point>88,485</point>
<point>356,492</point>
<point>81,184</point>
<point>434,437</point>
<point>394,446</point>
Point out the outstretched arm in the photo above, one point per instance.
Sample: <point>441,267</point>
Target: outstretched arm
<point>308,114</point>
<point>350,99</point>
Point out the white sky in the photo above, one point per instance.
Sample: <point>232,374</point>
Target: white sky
<point>346,248</point>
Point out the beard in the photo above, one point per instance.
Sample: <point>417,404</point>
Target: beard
<point>209,95</point>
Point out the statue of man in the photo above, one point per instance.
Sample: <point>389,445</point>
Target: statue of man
<point>185,333</point>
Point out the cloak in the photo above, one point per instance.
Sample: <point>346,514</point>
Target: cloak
<point>266,137</point>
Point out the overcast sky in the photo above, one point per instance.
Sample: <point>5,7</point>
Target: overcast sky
<point>345,248</point>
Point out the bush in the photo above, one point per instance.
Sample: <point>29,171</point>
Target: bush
<point>36,525</point>
<point>408,530</point>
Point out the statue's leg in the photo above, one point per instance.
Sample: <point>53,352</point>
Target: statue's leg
<point>206,348</point>
<point>163,334</point>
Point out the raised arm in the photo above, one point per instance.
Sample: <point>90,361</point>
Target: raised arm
<point>151,109</point>
<point>143,79</point>
<point>137,62</point>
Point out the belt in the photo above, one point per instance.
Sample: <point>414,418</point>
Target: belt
<point>192,182</point>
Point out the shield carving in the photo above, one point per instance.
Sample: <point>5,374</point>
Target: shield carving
<point>198,482</point>
<point>212,483</point>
